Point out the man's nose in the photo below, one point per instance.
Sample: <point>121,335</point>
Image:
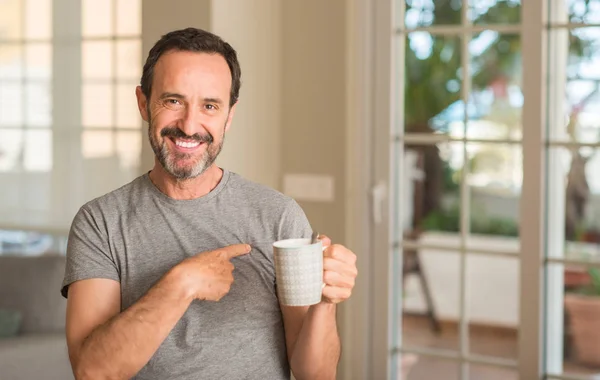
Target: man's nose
<point>191,122</point>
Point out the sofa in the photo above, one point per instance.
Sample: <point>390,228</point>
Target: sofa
<point>31,287</point>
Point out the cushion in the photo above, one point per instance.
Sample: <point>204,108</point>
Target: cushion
<point>37,356</point>
<point>10,322</point>
<point>31,285</point>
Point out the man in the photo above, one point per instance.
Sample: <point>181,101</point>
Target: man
<point>171,276</point>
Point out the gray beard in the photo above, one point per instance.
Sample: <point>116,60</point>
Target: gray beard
<point>169,159</point>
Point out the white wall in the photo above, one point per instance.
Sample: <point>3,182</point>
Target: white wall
<point>252,145</point>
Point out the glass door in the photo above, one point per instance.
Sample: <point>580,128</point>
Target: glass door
<point>465,229</point>
<point>458,180</point>
<point>486,136</point>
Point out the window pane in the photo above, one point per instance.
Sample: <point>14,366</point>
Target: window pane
<point>97,107</point>
<point>483,12</point>
<point>483,372</point>
<point>97,59</point>
<point>433,82</point>
<point>576,58</point>
<point>583,318</point>
<point>584,11</point>
<point>575,320</point>
<point>38,104</point>
<point>11,61</point>
<point>575,206</point>
<point>421,13</point>
<point>11,146</point>
<point>129,148</point>
<point>38,22</point>
<point>95,144</point>
<point>496,86</point>
<point>129,59</point>
<point>96,18</point>
<point>432,289</point>
<point>495,179</point>
<point>129,15</point>
<point>128,115</point>
<point>431,183</point>
<point>11,104</point>
<point>414,367</point>
<point>493,303</point>
<point>38,150</point>
<point>10,19</point>
<point>38,61</point>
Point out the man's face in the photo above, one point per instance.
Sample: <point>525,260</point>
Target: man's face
<point>188,111</point>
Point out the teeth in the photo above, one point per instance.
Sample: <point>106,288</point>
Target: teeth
<point>187,144</point>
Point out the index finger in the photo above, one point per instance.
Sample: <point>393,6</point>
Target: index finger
<point>234,250</point>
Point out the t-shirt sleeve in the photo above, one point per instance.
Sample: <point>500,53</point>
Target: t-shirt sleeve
<point>88,252</point>
<point>294,223</point>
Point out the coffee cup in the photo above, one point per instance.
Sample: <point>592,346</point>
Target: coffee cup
<point>298,271</point>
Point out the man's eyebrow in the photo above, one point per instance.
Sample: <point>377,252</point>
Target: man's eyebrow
<point>175,95</point>
<point>165,95</point>
<point>213,100</point>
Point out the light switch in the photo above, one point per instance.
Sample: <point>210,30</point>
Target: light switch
<point>309,187</point>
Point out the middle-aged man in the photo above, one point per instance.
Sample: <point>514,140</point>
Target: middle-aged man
<point>151,266</point>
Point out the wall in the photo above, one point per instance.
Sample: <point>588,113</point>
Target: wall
<point>252,145</point>
<point>314,102</point>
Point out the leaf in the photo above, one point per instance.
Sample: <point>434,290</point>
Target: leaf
<point>595,276</point>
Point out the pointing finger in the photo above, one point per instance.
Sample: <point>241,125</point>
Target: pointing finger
<point>234,251</point>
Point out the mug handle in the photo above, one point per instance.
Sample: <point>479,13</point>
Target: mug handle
<point>323,250</point>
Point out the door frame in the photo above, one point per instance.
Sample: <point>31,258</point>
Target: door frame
<point>373,79</point>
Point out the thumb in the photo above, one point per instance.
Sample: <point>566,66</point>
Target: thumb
<point>235,250</point>
<point>325,239</point>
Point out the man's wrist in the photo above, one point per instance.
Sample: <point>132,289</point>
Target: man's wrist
<point>324,307</point>
<point>179,279</point>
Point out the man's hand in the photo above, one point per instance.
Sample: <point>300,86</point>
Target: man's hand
<point>209,275</point>
<point>339,271</point>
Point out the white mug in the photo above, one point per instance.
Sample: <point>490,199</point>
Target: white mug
<point>298,271</point>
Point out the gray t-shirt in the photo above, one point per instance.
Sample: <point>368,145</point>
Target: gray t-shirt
<point>136,233</point>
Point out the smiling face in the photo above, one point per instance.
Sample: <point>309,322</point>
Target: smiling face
<point>188,111</point>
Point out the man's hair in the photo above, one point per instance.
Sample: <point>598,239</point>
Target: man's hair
<point>194,40</point>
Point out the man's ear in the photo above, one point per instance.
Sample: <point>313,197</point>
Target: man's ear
<point>230,116</point>
<point>142,103</point>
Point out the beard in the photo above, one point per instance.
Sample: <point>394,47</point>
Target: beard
<point>184,166</point>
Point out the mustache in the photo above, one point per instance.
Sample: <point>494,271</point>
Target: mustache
<point>175,132</point>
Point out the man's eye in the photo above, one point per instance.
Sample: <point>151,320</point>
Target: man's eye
<point>173,102</point>
<point>210,107</point>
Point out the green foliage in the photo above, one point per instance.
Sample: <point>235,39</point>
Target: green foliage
<point>595,277</point>
<point>445,221</point>
<point>433,82</point>
<point>450,182</point>
<point>433,79</point>
<point>593,288</point>
<point>449,221</point>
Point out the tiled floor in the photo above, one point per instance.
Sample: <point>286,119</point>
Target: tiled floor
<point>482,341</point>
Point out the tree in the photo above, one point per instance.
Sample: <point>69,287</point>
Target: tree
<point>434,74</point>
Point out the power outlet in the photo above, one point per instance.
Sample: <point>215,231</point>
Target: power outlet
<point>309,187</point>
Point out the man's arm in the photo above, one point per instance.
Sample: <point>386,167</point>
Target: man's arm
<point>312,338</point>
<point>106,344</point>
